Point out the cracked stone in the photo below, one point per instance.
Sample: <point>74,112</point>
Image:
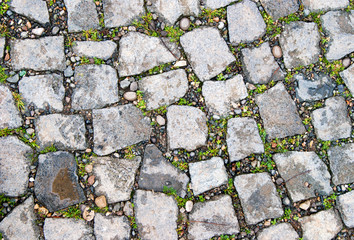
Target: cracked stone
<point>278,232</point>
<point>82,15</point>
<point>69,228</point>
<point>103,50</point>
<point>34,9</point>
<point>111,227</point>
<point>9,115</point>
<point>345,204</point>
<point>341,159</point>
<point>280,8</point>
<point>348,78</point>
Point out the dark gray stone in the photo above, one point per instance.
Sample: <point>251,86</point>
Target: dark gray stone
<point>103,50</point>
<point>69,228</point>
<point>280,231</point>
<point>34,9</point>
<point>341,161</point>
<point>9,115</point>
<point>345,204</point>
<point>82,15</point>
<point>324,5</point>
<point>280,8</point>
<point>111,227</point>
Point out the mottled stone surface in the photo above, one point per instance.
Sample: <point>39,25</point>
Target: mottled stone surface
<point>348,78</point>
<point>345,204</point>
<point>118,13</point>
<point>279,113</point>
<point>304,173</point>
<point>332,121</point>
<point>82,15</point>
<point>321,226</point>
<point>164,209</point>
<point>42,54</point>
<point>51,92</point>
<point>214,4</point>
<point>245,22</point>
<point>66,132</point>
<point>220,215</point>
<point>207,52</point>
<point>2,46</point>
<point>20,224</point>
<point>9,115</point>
<point>220,95</point>
<point>280,231</point>
<point>139,52</point>
<point>206,175</point>
<point>164,89</point>
<point>115,177</point>
<point>69,228</point>
<point>260,66</point>
<point>97,86</point>
<point>56,184</point>
<point>33,9</point>
<point>340,27</point>
<point>324,5</point>
<point>111,227</point>
<point>156,173</point>
<point>102,50</point>
<point>14,166</point>
<point>243,138</point>
<point>186,127</point>
<point>259,198</point>
<point>118,127</point>
<point>280,8</point>
<point>341,159</point>
<point>300,44</point>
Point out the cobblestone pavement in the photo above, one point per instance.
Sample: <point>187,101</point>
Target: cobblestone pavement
<point>176,119</point>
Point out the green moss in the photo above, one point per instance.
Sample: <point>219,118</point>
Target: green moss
<point>3,75</point>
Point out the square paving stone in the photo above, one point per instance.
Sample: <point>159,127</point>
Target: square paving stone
<point>332,121</point>
<point>243,138</point>
<point>111,227</point>
<point>206,175</point>
<point>34,9</point>
<point>56,184</point>
<point>259,198</point>
<point>214,4</point>
<point>69,228</point>
<point>65,132</point>
<point>304,174</point>
<point>213,218</point>
<point>115,177</point>
<point>82,15</point>
<point>207,52</point>
<point>246,23</point>
<point>9,115</point>
<point>260,66</point>
<point>345,204</point>
<point>279,113</point>
<point>324,5</point>
<point>341,161</point>
<point>156,215</point>
<point>186,127</point>
<point>280,8</point>
<point>321,226</point>
<point>118,127</point>
<point>282,231</point>
<point>97,86</point>
<point>103,50</point>
<point>300,44</point>
<point>348,78</point>
<point>51,92</point>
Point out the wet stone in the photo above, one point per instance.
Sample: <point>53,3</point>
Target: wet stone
<point>51,92</point>
<point>82,15</point>
<point>34,9</point>
<point>14,166</point>
<point>97,86</point>
<point>118,127</point>
<point>9,115</point>
<point>304,173</point>
<point>260,66</point>
<point>278,232</point>
<point>111,227</point>
<point>164,209</point>
<point>345,204</point>
<point>348,78</point>
<point>157,173</point>
<point>279,113</point>
<point>245,22</point>
<point>332,121</point>
<point>280,8</point>
<point>243,138</point>
<point>56,184</point>
<point>103,50</point>
<point>214,4</point>
<point>259,198</point>
<point>65,132</point>
<point>2,47</point>
<point>212,218</point>
<point>207,52</point>
<point>69,228</point>
<point>341,161</point>
<point>324,5</point>
<point>115,177</point>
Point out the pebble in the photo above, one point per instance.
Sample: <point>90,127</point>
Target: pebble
<point>101,201</point>
<point>125,83</point>
<point>189,206</point>
<point>133,86</point>
<point>128,209</point>
<point>130,96</point>
<point>88,168</point>
<point>184,23</point>
<point>24,34</point>
<point>286,201</point>
<point>221,25</point>
<point>55,30</point>
<point>198,22</point>
<point>160,120</point>
<point>279,181</point>
<point>88,214</point>
<point>91,180</point>
<point>305,205</point>
<point>306,12</point>
<point>13,79</point>
<point>68,72</point>
<point>346,62</point>
<point>30,131</point>
<point>277,52</point>
<point>38,31</point>
<point>181,63</point>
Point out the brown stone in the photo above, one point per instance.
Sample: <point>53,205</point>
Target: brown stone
<point>91,180</point>
<point>101,201</point>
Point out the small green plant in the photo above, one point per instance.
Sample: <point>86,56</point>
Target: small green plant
<point>287,214</point>
<point>183,101</point>
<point>84,60</point>
<point>91,34</point>
<point>4,6</point>
<point>132,222</point>
<point>261,89</point>
<point>129,153</point>
<point>220,77</point>
<point>3,75</point>
<point>51,2</point>
<point>18,100</point>
<point>71,212</point>
<point>210,14</point>
<point>229,189</point>
<point>141,103</point>
<point>98,61</point>
<point>145,24</point>
<point>169,191</point>
<point>307,121</point>
<point>225,237</point>
<point>48,149</point>
<point>180,165</point>
<point>329,202</point>
<point>174,33</point>
<point>6,132</point>
<point>201,198</point>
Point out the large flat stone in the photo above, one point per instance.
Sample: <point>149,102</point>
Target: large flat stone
<point>42,54</point>
<point>82,15</point>
<point>34,9</point>
<point>243,138</point>
<point>103,50</point>
<point>324,5</point>
<point>207,52</point>
<point>348,78</point>
<point>214,4</point>
<point>156,173</point>
<point>340,27</point>
<point>69,228</point>
<point>278,232</point>
<point>164,89</point>
<point>280,8</point>
<point>118,127</point>
<point>186,127</point>
<point>300,44</point>
<point>345,204</point>
<point>66,132</point>
<point>97,86</point>
<point>279,113</point>
<point>56,184</point>
<point>115,177</point>
<point>9,115</point>
<point>111,227</point>
<point>119,13</point>
<point>245,22</point>
<point>164,210</point>
<point>332,121</point>
<point>51,92</point>
<point>14,166</point>
<point>259,198</point>
<point>341,161</point>
<point>212,218</point>
<point>304,174</point>
<point>20,224</point>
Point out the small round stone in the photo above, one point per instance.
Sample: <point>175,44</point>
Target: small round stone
<point>189,206</point>
<point>277,52</point>
<point>221,25</point>
<point>130,96</point>
<point>184,24</point>
<point>101,201</point>
<point>346,62</point>
<point>133,86</point>
<point>160,120</point>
